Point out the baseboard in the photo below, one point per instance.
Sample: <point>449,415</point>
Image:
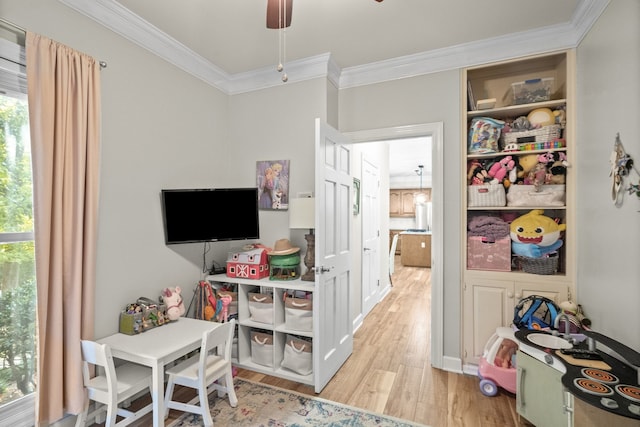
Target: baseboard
<point>452,364</point>
<point>470,370</point>
<point>384,292</point>
<point>357,322</point>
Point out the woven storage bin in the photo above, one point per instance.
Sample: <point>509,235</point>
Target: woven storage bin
<point>486,195</point>
<point>544,265</point>
<point>542,135</point>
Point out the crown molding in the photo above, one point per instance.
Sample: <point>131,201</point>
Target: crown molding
<point>125,23</point>
<point>318,66</point>
<point>122,21</point>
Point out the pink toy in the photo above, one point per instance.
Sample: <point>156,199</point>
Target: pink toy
<point>224,313</point>
<point>173,300</point>
<point>497,365</point>
<point>545,158</point>
<point>499,170</point>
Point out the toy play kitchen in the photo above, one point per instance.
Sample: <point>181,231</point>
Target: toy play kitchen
<point>582,379</point>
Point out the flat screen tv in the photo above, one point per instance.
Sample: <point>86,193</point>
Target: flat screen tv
<point>210,215</point>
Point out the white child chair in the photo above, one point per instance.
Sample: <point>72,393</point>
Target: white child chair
<point>202,370</point>
<point>111,387</point>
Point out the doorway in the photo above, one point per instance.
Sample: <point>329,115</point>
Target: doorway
<point>435,131</point>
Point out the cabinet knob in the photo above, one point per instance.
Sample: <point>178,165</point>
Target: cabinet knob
<point>509,294</point>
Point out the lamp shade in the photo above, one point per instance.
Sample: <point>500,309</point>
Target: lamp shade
<point>302,213</point>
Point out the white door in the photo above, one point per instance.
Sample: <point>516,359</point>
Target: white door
<point>333,338</point>
<point>370,237</point>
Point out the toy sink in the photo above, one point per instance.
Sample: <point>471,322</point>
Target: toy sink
<point>549,341</point>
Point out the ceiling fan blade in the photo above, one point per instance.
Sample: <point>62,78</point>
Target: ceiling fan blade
<point>274,14</point>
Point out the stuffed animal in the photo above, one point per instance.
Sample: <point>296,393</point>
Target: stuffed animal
<point>501,168</point>
<point>526,164</point>
<point>477,173</point>
<point>223,315</point>
<point>560,117</point>
<point>521,124</point>
<point>571,310</point>
<point>535,235</point>
<point>173,300</point>
<point>558,168</point>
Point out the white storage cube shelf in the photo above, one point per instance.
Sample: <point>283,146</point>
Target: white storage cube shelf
<point>277,327</point>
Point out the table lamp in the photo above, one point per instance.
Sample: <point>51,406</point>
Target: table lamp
<point>302,214</point>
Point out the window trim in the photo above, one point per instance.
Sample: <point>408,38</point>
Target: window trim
<point>20,412</point>
<point>27,236</point>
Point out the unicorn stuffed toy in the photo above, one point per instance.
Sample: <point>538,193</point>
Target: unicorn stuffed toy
<point>173,300</point>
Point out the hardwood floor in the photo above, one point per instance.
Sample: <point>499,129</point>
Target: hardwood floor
<point>390,372</point>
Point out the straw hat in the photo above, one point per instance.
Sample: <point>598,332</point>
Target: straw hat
<point>283,247</point>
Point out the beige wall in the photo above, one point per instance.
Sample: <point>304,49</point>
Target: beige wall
<point>608,236</point>
<point>277,123</point>
<point>425,99</point>
<point>162,128</point>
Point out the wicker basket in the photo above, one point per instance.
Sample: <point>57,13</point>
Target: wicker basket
<point>542,135</point>
<point>543,265</point>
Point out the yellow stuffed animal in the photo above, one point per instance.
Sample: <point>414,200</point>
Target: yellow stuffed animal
<point>534,235</point>
<point>526,164</point>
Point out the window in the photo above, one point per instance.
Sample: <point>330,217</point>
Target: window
<point>17,258</point>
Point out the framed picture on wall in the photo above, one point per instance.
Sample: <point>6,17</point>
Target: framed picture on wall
<point>272,180</point>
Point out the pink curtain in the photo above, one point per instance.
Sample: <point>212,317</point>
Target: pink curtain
<point>64,114</point>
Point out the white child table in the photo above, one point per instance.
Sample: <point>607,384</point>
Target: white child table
<point>156,348</point>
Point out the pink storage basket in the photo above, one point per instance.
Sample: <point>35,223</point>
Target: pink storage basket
<point>483,255</point>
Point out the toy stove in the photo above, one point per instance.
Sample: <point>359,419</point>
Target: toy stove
<point>605,385</point>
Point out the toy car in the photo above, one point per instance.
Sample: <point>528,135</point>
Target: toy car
<point>497,365</point>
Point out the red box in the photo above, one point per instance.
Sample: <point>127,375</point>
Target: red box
<point>484,255</point>
<point>251,264</point>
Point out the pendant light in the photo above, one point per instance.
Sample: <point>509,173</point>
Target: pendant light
<point>420,197</point>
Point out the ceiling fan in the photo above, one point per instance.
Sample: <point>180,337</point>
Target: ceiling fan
<point>279,18</point>
<point>279,13</point>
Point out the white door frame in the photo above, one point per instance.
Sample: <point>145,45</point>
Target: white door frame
<point>370,254</point>
<point>436,131</point>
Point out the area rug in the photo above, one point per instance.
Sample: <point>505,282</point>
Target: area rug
<point>260,405</point>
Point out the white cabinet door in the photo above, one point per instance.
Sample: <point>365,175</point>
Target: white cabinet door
<point>540,396</point>
<point>490,303</point>
<point>487,305</point>
<point>555,291</point>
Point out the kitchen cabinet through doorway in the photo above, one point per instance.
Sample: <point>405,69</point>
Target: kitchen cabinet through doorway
<point>416,249</point>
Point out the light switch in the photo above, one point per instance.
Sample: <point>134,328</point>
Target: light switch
<point>423,244</point>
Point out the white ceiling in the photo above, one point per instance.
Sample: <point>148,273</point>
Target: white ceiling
<point>405,158</point>
<point>226,42</point>
<point>351,42</point>
<point>232,33</point>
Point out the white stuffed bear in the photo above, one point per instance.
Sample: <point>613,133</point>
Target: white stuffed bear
<point>173,300</point>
